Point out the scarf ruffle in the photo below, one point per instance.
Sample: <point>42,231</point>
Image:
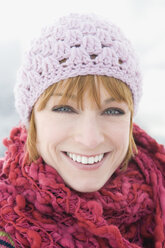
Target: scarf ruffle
<point>38,210</point>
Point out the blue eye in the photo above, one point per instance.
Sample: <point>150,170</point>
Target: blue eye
<point>68,109</point>
<point>114,111</point>
<point>65,109</point>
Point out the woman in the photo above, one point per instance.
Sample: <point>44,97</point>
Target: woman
<point>77,171</point>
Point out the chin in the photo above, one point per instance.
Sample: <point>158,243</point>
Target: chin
<point>86,188</point>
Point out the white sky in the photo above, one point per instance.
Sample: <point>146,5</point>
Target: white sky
<point>142,21</point>
<point>22,18</point>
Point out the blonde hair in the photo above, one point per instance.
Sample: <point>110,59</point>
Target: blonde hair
<point>81,85</point>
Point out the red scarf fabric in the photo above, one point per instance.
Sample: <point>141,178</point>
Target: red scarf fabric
<point>38,210</point>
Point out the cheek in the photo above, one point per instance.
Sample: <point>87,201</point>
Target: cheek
<point>51,131</point>
<point>119,135</point>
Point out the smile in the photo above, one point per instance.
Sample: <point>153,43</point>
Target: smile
<point>86,162</point>
<point>85,159</point>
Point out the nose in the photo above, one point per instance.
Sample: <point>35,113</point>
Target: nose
<point>89,132</point>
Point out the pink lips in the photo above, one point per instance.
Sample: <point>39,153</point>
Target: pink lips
<point>86,166</point>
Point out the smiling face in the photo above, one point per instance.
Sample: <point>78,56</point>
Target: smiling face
<point>85,145</point>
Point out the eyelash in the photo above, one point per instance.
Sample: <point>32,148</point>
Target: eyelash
<point>114,111</point>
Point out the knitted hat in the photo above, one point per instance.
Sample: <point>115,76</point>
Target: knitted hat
<point>75,45</point>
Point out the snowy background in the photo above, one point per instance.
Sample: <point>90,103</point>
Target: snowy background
<point>142,21</point>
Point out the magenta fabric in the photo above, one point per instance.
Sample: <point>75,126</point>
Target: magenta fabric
<point>38,210</point>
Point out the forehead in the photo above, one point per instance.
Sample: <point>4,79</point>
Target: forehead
<point>105,99</point>
<point>86,88</point>
<point>97,98</point>
<point>91,88</point>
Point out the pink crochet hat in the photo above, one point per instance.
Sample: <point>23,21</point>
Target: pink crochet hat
<point>75,45</point>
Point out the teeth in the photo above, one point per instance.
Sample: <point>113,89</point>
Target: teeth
<point>92,160</point>
<point>85,160</point>
<point>96,159</point>
<point>78,159</point>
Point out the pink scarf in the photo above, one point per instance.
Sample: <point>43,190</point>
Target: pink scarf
<point>38,210</point>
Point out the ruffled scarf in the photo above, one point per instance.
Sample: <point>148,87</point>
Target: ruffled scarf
<point>38,210</point>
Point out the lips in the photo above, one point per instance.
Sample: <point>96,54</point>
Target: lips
<point>85,159</point>
<point>82,166</point>
<point>84,155</point>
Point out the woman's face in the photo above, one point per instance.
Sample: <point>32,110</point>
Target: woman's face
<point>84,146</point>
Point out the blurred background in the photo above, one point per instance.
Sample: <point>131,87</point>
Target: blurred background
<point>142,21</point>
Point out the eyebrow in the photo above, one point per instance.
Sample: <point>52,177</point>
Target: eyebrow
<point>73,97</point>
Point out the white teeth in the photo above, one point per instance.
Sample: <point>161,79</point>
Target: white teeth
<point>92,160</point>
<point>78,159</point>
<point>96,159</point>
<point>85,160</point>
<point>73,156</point>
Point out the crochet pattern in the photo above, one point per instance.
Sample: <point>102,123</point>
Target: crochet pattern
<point>76,45</point>
<point>38,210</point>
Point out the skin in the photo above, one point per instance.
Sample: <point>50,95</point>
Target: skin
<point>88,132</point>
